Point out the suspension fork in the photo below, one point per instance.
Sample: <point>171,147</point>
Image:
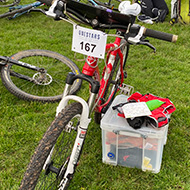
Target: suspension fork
<point>79,141</point>
<point>78,145</point>
<point>84,121</point>
<point>7,60</point>
<point>71,77</point>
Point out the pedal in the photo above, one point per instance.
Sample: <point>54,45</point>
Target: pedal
<point>126,89</point>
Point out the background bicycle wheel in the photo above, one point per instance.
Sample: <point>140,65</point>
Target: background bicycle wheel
<point>45,89</point>
<point>165,74</point>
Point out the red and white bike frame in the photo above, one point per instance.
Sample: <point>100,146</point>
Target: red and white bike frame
<point>91,68</point>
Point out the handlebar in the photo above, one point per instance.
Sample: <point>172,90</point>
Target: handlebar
<point>160,35</point>
<point>142,31</point>
<point>103,18</point>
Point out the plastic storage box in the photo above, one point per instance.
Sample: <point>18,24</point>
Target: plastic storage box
<point>125,146</point>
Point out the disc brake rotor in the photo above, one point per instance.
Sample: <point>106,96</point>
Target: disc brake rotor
<point>42,78</point>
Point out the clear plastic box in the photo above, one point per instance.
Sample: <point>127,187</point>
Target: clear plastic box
<point>125,146</point>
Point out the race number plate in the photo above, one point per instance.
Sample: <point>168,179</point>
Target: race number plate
<point>89,42</point>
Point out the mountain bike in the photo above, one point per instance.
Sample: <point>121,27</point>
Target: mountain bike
<point>55,160</point>
<point>15,11</point>
<point>37,75</point>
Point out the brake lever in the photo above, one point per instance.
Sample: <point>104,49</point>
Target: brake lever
<point>140,40</point>
<point>56,10</point>
<point>146,43</point>
<point>50,11</point>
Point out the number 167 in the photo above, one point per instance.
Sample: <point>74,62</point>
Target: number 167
<point>87,46</point>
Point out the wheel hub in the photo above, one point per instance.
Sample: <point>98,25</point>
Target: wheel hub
<point>42,78</point>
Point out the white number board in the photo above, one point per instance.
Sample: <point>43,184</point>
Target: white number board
<point>89,42</point>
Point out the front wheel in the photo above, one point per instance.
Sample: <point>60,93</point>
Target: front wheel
<point>31,85</point>
<point>42,172</point>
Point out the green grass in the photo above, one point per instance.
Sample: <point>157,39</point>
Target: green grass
<point>165,73</point>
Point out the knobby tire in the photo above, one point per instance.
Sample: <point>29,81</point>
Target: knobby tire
<point>33,176</point>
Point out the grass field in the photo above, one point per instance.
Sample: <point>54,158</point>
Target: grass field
<point>165,73</point>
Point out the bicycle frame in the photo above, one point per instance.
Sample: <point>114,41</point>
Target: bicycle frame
<point>4,60</point>
<point>91,69</point>
<point>15,11</point>
<point>110,61</point>
<point>29,6</point>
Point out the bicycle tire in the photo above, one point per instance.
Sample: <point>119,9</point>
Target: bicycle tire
<point>34,174</point>
<point>10,4</point>
<point>11,13</point>
<point>57,66</point>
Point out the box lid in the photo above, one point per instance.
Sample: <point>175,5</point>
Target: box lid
<point>112,122</point>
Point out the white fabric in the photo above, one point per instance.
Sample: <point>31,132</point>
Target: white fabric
<point>125,7</point>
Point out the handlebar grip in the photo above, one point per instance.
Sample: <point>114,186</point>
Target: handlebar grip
<point>160,35</point>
